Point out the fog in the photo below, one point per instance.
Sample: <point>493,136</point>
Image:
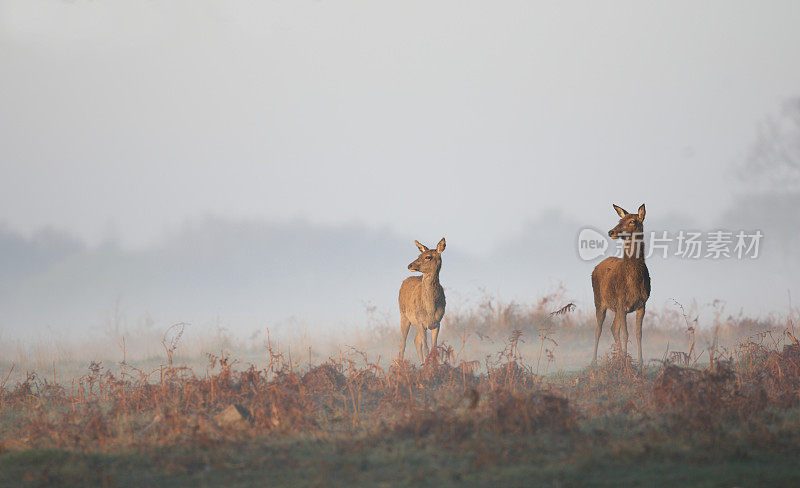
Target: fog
<point>266,163</point>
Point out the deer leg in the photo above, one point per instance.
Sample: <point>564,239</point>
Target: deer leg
<point>425,348</point>
<point>405,324</point>
<point>639,319</point>
<point>435,336</point>
<point>601,317</point>
<point>615,332</point>
<point>419,339</point>
<point>622,331</point>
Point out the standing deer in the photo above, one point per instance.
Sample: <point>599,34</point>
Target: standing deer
<point>422,300</point>
<point>623,284</point>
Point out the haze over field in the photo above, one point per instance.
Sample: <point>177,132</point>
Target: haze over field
<point>271,163</point>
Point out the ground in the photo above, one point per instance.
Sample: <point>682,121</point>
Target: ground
<point>731,420</point>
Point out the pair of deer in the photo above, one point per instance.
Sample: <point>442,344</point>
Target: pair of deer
<point>620,284</point>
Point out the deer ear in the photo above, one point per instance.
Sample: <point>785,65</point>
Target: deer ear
<point>440,246</point>
<point>641,212</point>
<point>620,211</point>
<point>421,247</point>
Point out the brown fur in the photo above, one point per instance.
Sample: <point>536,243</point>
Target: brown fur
<point>422,300</point>
<point>623,284</point>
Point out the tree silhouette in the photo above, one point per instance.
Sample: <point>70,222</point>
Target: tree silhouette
<point>773,162</point>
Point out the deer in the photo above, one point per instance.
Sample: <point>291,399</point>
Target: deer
<point>422,300</point>
<point>623,284</point>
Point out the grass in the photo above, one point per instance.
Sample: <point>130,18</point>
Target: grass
<point>455,421</point>
<point>402,462</point>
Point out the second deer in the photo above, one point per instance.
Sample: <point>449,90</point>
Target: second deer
<point>422,300</point>
<point>623,284</point>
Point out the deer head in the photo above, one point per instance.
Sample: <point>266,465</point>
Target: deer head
<point>429,260</point>
<point>629,225</point>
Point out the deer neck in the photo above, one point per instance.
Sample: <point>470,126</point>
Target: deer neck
<point>633,249</point>
<point>430,288</point>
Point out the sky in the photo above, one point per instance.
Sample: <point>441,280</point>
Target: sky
<point>121,121</point>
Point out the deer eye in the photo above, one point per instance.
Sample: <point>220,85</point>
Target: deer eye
<point>427,258</point>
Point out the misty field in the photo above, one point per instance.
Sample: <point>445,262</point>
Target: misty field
<point>509,400</point>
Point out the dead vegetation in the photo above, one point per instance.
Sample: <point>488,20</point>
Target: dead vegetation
<point>736,399</point>
<point>104,408</point>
